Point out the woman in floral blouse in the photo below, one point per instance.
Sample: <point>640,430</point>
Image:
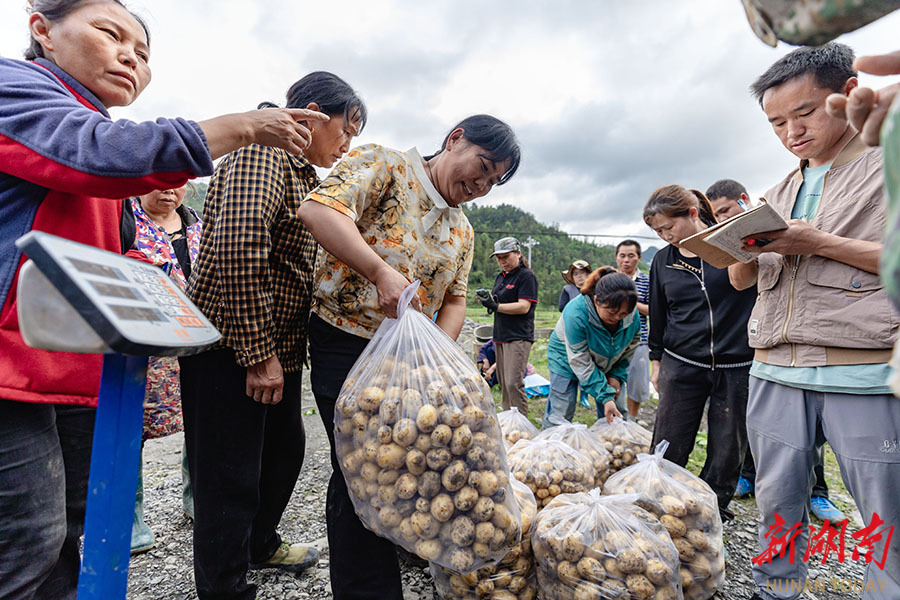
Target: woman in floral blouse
<point>166,234</point>
<point>385,218</point>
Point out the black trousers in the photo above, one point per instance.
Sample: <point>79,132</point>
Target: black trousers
<point>683,393</point>
<point>363,565</point>
<point>244,458</point>
<point>820,487</point>
<point>45,461</point>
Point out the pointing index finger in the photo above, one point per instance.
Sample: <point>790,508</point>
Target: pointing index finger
<point>304,114</point>
<point>882,64</point>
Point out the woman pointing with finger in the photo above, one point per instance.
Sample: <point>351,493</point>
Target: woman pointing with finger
<point>241,400</point>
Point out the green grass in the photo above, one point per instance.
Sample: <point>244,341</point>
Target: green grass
<point>542,318</point>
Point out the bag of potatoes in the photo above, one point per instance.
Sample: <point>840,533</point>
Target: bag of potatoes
<point>417,438</point>
<point>515,426</point>
<point>585,441</point>
<point>623,439</point>
<point>511,579</point>
<point>688,509</point>
<point>592,547</point>
<point>550,468</point>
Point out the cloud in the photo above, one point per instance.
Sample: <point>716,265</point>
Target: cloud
<point>610,99</point>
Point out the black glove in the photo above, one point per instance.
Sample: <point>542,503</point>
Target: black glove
<point>489,302</point>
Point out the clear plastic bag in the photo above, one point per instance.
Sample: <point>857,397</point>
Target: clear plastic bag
<point>687,507</point>
<point>419,446</point>
<point>550,468</point>
<point>515,426</point>
<point>512,578</point>
<point>624,440</point>
<point>579,437</point>
<point>593,547</point>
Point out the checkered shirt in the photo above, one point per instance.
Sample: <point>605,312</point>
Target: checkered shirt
<point>253,278</point>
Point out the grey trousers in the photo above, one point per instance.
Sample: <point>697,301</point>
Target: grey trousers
<point>512,359</point>
<point>863,431</point>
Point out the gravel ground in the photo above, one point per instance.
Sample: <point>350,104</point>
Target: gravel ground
<point>165,572</point>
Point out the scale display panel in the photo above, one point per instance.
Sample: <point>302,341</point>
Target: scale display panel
<point>133,306</point>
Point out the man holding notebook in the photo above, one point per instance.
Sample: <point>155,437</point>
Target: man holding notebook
<point>822,326</point>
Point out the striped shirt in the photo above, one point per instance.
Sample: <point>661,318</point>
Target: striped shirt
<point>642,283</point>
<point>253,278</point>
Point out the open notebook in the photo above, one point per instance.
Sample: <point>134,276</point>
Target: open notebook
<point>720,245</point>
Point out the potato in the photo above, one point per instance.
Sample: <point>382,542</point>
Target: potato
<point>698,539</point>
<point>370,399</point>
<point>406,531</point>
<point>455,476</point>
<point>441,436</point>
<point>352,462</point>
<point>462,559</point>
<point>369,472</point>
<point>387,476</point>
<point>442,508</point>
<point>389,516</point>
<point>426,420</point>
<point>429,549</point>
<point>406,486</point>
<point>567,573</point>
<point>640,587</point>
<point>673,525</point>
<point>488,484</point>
<point>429,484</point>
<point>415,462</point>
<point>673,506</point>
<point>461,440</point>
<point>423,442</point>
<point>573,546</point>
<point>473,417</point>
<point>631,560</point>
<point>462,531</point>
<point>450,415</point>
<point>410,402</point>
<point>590,569</point>
<point>387,495</point>
<point>588,591</point>
<point>464,500</point>
<point>389,411</point>
<point>405,432</point>
<point>425,525</point>
<point>438,458</point>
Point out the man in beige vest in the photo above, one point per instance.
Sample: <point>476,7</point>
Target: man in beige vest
<point>822,325</point>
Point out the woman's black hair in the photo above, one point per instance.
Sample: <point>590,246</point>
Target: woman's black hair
<point>57,10</point>
<point>333,95</point>
<point>675,201</point>
<point>611,288</point>
<point>495,136</point>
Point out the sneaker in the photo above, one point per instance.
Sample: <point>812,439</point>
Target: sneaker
<point>744,488</point>
<point>294,558</point>
<point>824,508</point>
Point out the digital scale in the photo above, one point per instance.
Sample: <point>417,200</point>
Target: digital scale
<point>77,298</point>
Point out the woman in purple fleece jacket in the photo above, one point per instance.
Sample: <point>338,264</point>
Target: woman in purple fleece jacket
<point>64,168</point>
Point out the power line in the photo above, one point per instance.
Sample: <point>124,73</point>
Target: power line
<point>564,234</point>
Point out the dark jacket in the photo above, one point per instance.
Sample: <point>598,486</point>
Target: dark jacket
<point>697,317</point>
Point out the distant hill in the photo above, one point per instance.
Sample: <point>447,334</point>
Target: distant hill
<point>553,254</point>
<point>649,253</point>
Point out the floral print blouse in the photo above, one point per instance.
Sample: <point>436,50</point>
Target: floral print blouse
<point>162,397</point>
<point>405,221</point>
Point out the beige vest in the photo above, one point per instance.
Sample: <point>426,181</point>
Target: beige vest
<point>812,311</point>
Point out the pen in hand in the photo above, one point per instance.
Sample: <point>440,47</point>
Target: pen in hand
<point>756,242</point>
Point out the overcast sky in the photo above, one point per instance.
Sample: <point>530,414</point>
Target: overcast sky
<point>610,99</point>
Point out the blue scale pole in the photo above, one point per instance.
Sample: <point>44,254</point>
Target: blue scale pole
<point>115,461</point>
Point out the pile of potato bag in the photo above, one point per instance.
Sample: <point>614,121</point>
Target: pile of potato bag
<point>512,578</point>
<point>624,440</point>
<point>419,446</point>
<point>592,547</point>
<point>688,509</point>
<point>515,426</point>
<point>579,437</point>
<point>550,468</point>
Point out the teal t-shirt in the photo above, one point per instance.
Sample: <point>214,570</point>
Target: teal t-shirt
<point>835,379</point>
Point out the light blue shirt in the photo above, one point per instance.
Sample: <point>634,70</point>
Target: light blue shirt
<point>836,379</point>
